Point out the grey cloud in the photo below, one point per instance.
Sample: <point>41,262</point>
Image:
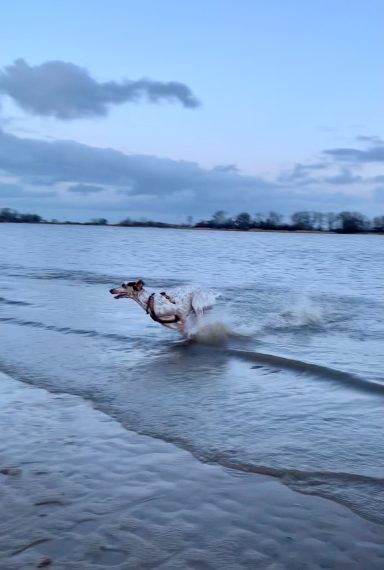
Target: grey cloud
<point>343,177</point>
<point>85,189</point>
<point>372,139</point>
<point>357,156</point>
<point>302,173</point>
<point>180,186</point>
<point>67,91</point>
<point>226,168</point>
<point>11,190</point>
<point>74,163</point>
<point>137,185</point>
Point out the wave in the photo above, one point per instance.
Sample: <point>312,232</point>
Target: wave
<point>352,380</point>
<point>64,330</point>
<point>216,334</point>
<point>12,302</point>
<point>83,276</point>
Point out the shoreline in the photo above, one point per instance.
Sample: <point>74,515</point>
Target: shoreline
<point>81,491</point>
<point>188,228</point>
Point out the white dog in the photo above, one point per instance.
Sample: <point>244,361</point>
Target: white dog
<point>175,310</point>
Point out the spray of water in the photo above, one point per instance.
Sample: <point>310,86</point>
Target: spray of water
<point>302,312</point>
<point>216,327</point>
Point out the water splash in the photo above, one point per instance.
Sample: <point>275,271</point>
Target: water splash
<point>215,328</point>
<point>303,312</point>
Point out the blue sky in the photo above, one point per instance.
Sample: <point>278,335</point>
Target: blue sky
<point>287,90</point>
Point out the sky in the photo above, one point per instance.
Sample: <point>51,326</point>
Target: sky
<point>165,110</point>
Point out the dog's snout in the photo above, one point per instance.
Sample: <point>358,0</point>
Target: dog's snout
<point>111,291</point>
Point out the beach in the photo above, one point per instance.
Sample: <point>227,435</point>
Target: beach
<point>81,491</point>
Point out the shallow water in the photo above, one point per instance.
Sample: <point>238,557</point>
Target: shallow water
<point>288,379</point>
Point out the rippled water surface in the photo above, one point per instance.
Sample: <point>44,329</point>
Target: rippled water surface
<point>289,379</point>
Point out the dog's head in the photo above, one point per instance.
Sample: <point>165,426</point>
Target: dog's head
<point>127,289</point>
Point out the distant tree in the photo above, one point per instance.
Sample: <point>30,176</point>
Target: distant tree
<point>318,220</point>
<point>219,218</point>
<point>302,220</point>
<point>189,220</point>
<point>258,220</point>
<point>378,224</point>
<point>30,218</point>
<point>8,215</point>
<point>352,222</point>
<point>274,220</point>
<point>99,221</point>
<point>330,221</point>
<point>243,221</point>
<point>126,222</point>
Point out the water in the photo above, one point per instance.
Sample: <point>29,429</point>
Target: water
<point>287,379</point>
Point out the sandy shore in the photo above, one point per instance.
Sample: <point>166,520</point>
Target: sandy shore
<point>78,491</point>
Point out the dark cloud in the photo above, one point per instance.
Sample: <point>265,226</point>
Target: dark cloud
<point>74,163</point>
<point>353,155</point>
<point>145,183</point>
<point>134,185</point>
<point>374,152</point>
<point>85,189</point>
<point>67,91</point>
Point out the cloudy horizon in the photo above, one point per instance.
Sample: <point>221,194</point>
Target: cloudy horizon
<point>179,136</point>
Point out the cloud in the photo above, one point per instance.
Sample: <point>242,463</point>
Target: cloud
<point>373,139</point>
<point>11,190</point>
<point>85,189</point>
<point>353,155</point>
<point>226,168</point>
<point>302,173</point>
<point>373,154</point>
<point>115,184</point>
<point>80,164</point>
<point>67,91</point>
<point>343,177</point>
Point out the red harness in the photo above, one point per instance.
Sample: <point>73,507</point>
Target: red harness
<point>151,312</point>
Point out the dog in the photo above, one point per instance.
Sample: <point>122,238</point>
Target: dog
<point>177,309</point>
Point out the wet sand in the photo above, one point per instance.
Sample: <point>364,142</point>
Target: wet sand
<point>78,491</point>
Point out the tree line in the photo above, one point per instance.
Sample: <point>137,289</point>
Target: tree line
<point>8,215</point>
<point>342,222</point>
